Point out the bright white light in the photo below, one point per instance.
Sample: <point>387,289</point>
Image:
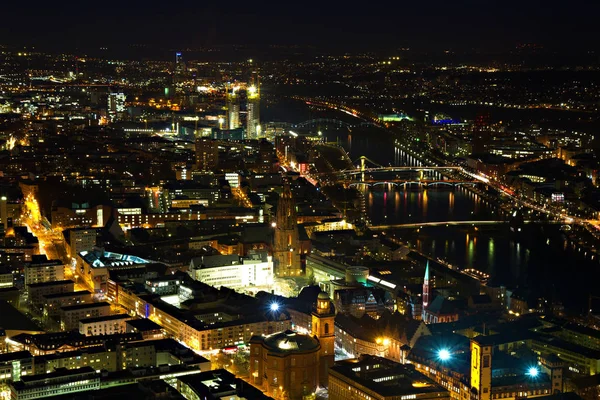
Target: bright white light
<point>533,372</point>
<point>444,354</point>
<point>274,307</point>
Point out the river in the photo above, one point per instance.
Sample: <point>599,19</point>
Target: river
<point>541,259</point>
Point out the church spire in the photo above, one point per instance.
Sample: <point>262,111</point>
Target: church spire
<point>426,288</point>
<point>286,251</point>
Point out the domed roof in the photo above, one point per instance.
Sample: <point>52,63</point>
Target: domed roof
<point>323,296</point>
<point>291,342</point>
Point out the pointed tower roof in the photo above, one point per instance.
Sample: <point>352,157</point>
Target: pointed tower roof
<point>427,271</point>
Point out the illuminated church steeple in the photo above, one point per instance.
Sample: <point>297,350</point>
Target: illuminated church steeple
<point>286,252</point>
<point>426,289</point>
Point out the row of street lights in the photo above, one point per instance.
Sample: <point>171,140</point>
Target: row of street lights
<point>444,355</point>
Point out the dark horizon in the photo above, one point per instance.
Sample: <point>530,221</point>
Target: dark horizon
<point>430,26</point>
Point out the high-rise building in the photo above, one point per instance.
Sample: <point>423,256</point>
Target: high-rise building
<point>207,154</point>
<point>233,109</point>
<point>179,64</point>
<point>286,252</point>
<point>482,134</point>
<point>179,74</point>
<point>323,321</point>
<point>253,127</point>
<point>116,105</point>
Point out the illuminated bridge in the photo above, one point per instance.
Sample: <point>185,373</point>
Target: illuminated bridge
<point>327,122</point>
<point>408,183</point>
<point>417,176</point>
<point>452,223</point>
<point>435,223</point>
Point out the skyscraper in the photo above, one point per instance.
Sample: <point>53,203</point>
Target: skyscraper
<point>207,153</point>
<point>116,106</point>
<point>253,129</point>
<point>286,252</point>
<point>233,109</point>
<point>179,74</point>
<point>179,65</point>
<point>482,134</point>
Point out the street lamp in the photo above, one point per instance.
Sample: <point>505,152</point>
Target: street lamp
<point>444,355</point>
<point>533,372</point>
<point>274,307</point>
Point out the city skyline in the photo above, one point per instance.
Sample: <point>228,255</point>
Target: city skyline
<point>300,201</point>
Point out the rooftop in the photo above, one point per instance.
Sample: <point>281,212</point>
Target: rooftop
<point>288,342</point>
<point>220,383</point>
<point>13,320</point>
<point>66,294</point>
<point>51,283</point>
<point>99,259</point>
<point>143,325</point>
<point>85,306</point>
<point>385,377</point>
<point>115,317</point>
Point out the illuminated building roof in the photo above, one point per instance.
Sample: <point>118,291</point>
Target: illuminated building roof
<point>289,342</point>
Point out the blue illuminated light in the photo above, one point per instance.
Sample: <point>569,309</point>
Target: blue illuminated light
<point>444,355</point>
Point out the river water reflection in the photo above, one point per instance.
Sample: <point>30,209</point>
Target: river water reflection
<point>541,259</point>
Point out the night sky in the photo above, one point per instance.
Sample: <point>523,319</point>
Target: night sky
<point>427,24</point>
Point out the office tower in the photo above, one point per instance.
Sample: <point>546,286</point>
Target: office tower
<point>253,127</point>
<point>286,253</point>
<point>116,106</point>
<point>482,134</point>
<point>179,74</point>
<point>207,154</point>
<point>233,109</point>
<point>179,64</point>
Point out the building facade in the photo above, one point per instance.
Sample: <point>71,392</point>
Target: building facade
<point>233,271</point>
<point>285,364</point>
<point>286,252</point>
<point>71,315</point>
<point>44,271</point>
<point>108,325</point>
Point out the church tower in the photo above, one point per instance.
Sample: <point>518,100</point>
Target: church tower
<point>426,290</point>
<point>323,319</point>
<point>286,252</point>
<point>481,368</point>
